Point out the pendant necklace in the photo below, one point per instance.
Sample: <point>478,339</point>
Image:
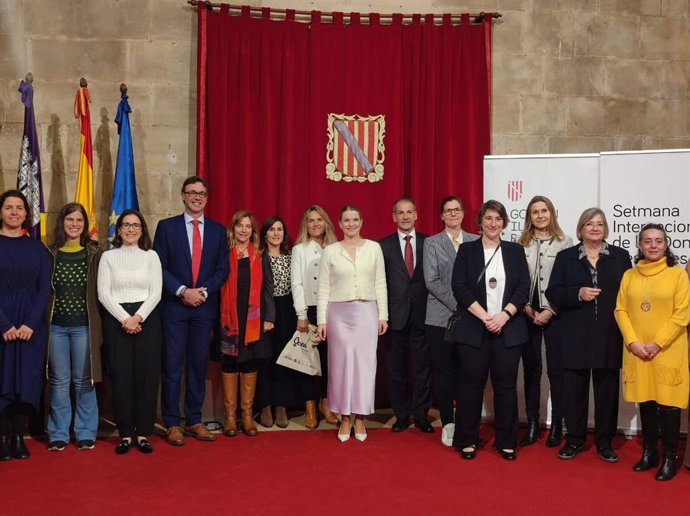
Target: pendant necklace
<point>645,305</point>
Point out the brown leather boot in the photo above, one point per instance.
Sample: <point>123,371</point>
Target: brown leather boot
<point>230,402</point>
<point>310,419</point>
<point>281,417</point>
<point>329,416</point>
<point>266,417</point>
<point>247,390</point>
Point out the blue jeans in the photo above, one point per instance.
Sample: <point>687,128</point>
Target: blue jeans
<point>69,359</point>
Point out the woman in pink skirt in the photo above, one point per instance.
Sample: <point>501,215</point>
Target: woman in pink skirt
<point>352,310</point>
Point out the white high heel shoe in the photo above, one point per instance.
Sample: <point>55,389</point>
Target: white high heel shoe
<point>361,437</point>
<point>345,437</point>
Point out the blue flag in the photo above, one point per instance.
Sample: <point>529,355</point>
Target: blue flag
<point>29,173</point>
<point>125,185</point>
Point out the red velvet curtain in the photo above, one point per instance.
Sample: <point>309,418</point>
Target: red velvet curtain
<point>270,86</point>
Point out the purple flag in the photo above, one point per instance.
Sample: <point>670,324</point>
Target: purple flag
<point>29,174</point>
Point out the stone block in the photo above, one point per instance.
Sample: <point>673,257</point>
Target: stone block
<point>550,33</point>
<point>642,79</point>
<point>667,118</point>
<point>631,7</point>
<point>164,149</point>
<point>87,18</point>
<point>518,144</point>
<point>626,117</point>
<point>173,105</point>
<point>14,57</point>
<point>10,18</point>
<point>665,38</point>
<point>161,61</point>
<point>581,144</point>
<point>508,34</point>
<point>61,60</point>
<point>50,99</point>
<point>515,5</point>
<point>10,142</point>
<point>4,85</point>
<point>518,74</point>
<point>174,20</point>
<point>629,143</point>
<point>616,36</point>
<point>582,76</point>
<point>586,116</point>
<point>656,143</point>
<point>505,114</point>
<point>543,115</point>
<point>675,8</point>
<point>564,5</point>
<point>155,192</point>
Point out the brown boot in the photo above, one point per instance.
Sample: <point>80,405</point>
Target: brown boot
<point>310,419</point>
<point>281,417</point>
<point>326,412</point>
<point>230,402</point>
<point>247,390</point>
<point>266,417</point>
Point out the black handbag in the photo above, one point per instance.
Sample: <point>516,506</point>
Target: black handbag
<point>449,335</point>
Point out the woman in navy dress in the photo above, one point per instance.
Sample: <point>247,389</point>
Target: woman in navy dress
<point>24,293</point>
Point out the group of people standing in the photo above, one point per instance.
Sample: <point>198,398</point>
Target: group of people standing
<point>237,294</point>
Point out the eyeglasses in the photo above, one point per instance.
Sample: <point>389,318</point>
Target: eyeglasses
<point>450,211</point>
<point>131,225</point>
<point>194,193</point>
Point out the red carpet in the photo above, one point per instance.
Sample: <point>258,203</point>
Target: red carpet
<point>304,473</point>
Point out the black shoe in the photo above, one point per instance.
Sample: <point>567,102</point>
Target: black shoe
<point>145,446</point>
<point>86,444</point>
<point>469,455</point>
<point>508,454</point>
<point>555,435</point>
<point>19,450</point>
<point>669,467</point>
<point>424,426</point>
<point>56,445</point>
<point>569,451</point>
<point>5,452</point>
<point>123,447</point>
<point>400,425</point>
<point>607,454</point>
<point>649,460</point>
<point>532,433</point>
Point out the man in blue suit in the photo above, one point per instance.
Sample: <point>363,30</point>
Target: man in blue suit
<point>194,254</point>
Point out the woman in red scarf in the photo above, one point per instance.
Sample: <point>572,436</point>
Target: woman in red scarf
<point>247,311</point>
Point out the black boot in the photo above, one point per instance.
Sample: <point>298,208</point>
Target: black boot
<point>669,422</point>
<point>5,452</point>
<point>650,457</point>
<point>19,450</point>
<point>555,434</point>
<point>532,432</point>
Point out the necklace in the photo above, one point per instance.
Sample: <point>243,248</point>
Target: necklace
<point>240,252</point>
<point>646,304</point>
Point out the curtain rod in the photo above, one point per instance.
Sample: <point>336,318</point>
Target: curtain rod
<point>306,15</point>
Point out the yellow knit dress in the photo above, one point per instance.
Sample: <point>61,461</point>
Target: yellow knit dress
<point>663,379</point>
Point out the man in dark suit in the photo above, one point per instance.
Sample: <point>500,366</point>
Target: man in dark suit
<point>407,295</point>
<point>194,255</point>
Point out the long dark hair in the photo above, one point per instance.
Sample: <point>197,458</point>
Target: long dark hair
<point>26,225</point>
<point>144,240</point>
<point>60,236</point>
<point>671,260</point>
<point>268,223</point>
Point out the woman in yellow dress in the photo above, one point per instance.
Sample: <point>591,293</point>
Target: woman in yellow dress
<point>652,311</point>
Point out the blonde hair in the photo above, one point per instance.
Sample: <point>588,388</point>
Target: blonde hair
<point>329,233</point>
<point>234,220</point>
<point>588,215</point>
<point>554,228</point>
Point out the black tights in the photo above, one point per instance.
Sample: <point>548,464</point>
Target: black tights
<point>13,418</point>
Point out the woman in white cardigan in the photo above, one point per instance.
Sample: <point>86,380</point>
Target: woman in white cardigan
<point>352,311</point>
<point>315,233</point>
<point>130,281</point>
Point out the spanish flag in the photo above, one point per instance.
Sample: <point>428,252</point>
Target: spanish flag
<point>84,194</point>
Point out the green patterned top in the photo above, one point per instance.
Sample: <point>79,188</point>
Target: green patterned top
<point>69,281</point>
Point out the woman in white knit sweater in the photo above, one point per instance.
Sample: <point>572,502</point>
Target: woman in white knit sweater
<point>130,281</point>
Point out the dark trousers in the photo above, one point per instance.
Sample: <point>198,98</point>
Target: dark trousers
<point>576,405</point>
<point>532,366</point>
<point>409,342</point>
<point>444,359</point>
<point>502,362</point>
<point>186,339</point>
<point>135,363</point>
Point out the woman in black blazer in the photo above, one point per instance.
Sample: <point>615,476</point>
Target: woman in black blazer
<point>491,282</point>
<point>584,285</point>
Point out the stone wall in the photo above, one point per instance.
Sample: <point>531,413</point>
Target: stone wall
<point>568,76</point>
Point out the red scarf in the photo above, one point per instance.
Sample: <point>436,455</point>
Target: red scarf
<point>229,320</point>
